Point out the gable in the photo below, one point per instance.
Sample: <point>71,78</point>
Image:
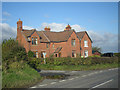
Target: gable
<point>81,35</point>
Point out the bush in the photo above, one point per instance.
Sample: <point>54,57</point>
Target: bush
<point>30,54</point>
<point>11,50</point>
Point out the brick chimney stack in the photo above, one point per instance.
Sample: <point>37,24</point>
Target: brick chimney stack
<point>68,27</point>
<point>47,28</point>
<point>19,29</point>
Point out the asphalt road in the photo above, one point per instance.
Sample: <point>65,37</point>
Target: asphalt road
<point>83,79</point>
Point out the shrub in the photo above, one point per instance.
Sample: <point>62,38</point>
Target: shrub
<point>30,54</point>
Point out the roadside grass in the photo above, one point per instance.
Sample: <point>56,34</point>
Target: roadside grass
<point>77,67</point>
<point>22,76</point>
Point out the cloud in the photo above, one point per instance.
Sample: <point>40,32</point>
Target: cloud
<point>27,27</point>
<point>108,42</point>
<point>6,14</point>
<point>60,27</point>
<point>8,31</point>
<point>54,26</point>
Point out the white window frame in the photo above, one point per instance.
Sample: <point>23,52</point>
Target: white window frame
<point>86,53</point>
<point>36,54</point>
<point>85,43</point>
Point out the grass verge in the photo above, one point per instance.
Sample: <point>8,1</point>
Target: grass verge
<point>77,67</point>
<point>20,75</point>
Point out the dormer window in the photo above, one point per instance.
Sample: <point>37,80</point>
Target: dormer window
<point>85,43</point>
<point>34,41</point>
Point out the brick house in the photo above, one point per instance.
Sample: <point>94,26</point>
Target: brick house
<point>67,43</point>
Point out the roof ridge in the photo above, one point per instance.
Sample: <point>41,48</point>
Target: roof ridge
<point>45,36</point>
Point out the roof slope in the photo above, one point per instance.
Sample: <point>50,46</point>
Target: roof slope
<point>58,36</point>
<point>48,36</point>
<point>80,34</point>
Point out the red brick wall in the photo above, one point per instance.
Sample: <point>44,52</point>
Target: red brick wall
<point>89,48</point>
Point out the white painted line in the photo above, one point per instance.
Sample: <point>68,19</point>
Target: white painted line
<point>53,83</point>
<point>90,74</point>
<point>33,87</point>
<point>43,85</point>
<point>101,71</point>
<point>71,78</point>
<point>102,83</point>
<point>109,69</point>
<point>62,80</point>
<point>95,72</point>
<point>84,75</point>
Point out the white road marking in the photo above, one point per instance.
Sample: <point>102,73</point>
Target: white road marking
<point>71,78</point>
<point>101,71</point>
<point>53,83</point>
<point>33,87</point>
<point>84,75</point>
<point>90,74</point>
<point>62,80</point>
<point>102,83</point>
<point>43,85</point>
<point>109,69</point>
<point>95,72</point>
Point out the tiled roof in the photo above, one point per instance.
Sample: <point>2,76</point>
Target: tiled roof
<point>49,36</point>
<point>58,36</point>
<point>43,38</point>
<point>27,32</point>
<point>80,34</point>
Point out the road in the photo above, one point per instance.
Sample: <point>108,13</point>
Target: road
<point>84,79</point>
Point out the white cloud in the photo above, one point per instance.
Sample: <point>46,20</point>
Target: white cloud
<point>27,27</point>
<point>6,14</point>
<point>8,31</point>
<point>107,41</point>
<point>60,27</point>
<point>54,26</point>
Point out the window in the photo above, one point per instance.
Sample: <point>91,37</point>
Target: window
<point>73,54</point>
<point>47,45</point>
<point>55,55</point>
<point>85,43</point>
<point>73,42</point>
<point>34,41</point>
<point>86,53</point>
<point>36,54</point>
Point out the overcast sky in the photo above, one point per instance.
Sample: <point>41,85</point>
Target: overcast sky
<point>99,19</point>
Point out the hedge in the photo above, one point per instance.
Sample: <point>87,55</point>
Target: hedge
<point>35,62</point>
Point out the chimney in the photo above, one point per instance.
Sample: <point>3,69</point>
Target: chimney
<point>47,28</point>
<point>68,27</point>
<point>19,29</point>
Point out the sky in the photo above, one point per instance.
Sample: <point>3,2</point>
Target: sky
<point>99,19</point>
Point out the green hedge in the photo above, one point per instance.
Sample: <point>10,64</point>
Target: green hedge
<point>35,62</point>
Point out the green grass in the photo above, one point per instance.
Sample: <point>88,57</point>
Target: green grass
<point>77,67</point>
<point>20,75</point>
